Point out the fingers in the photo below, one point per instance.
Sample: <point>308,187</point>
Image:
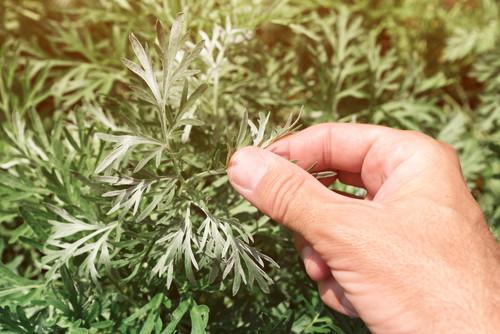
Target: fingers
<point>315,267</point>
<point>333,296</point>
<point>331,293</point>
<point>335,146</point>
<point>364,155</point>
<point>284,191</point>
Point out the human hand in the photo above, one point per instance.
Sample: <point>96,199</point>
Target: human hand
<point>414,256</point>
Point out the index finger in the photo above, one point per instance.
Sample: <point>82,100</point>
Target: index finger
<point>368,150</point>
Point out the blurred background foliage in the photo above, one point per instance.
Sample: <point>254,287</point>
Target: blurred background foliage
<point>432,66</point>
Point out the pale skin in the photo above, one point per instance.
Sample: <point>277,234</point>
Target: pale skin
<point>414,256</point>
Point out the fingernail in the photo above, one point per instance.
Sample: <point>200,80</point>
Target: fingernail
<point>280,148</point>
<point>246,169</point>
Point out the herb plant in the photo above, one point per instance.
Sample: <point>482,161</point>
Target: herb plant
<point>118,119</point>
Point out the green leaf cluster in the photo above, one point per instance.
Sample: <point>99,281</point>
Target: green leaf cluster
<point>118,118</point>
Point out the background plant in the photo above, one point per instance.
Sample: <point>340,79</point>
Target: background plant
<point>117,119</point>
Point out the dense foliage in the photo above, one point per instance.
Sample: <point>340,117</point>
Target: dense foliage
<point>117,119</point>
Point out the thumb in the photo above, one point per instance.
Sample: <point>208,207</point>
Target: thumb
<point>282,190</point>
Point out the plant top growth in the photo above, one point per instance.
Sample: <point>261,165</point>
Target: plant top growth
<point>118,119</point>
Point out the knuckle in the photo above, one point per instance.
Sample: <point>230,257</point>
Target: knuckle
<point>449,151</point>
<point>416,135</point>
<point>425,144</point>
<point>447,147</point>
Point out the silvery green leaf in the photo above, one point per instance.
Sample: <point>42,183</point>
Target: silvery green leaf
<point>62,230</point>
<point>88,266</point>
<point>148,73</point>
<point>115,180</point>
<point>125,142</point>
<point>64,214</point>
<point>239,275</point>
<point>58,253</point>
<point>242,133</point>
<point>263,120</point>
<point>134,68</point>
<point>173,42</point>
<point>291,125</point>
<point>228,268</point>
<point>170,274</point>
<point>205,227</point>
<point>114,193</point>
<point>127,139</point>
<point>189,240</point>
<point>139,52</point>
<point>158,158</point>
<point>36,150</point>
<point>186,106</point>
<point>115,156</point>
<point>153,154</point>
<point>254,131</point>
<point>105,257</point>
<point>147,211</point>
